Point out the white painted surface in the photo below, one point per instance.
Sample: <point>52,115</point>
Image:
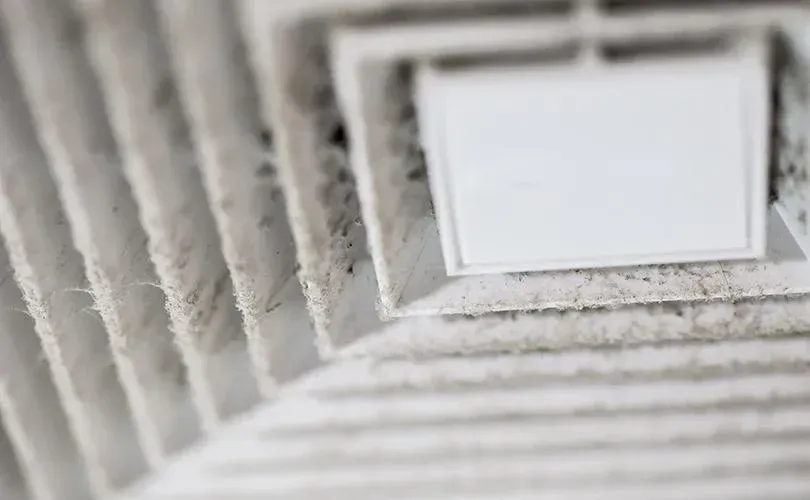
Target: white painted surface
<point>667,154</point>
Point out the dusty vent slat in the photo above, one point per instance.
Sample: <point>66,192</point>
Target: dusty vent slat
<point>11,481</point>
<point>560,433</point>
<point>238,165</point>
<point>364,446</point>
<point>126,50</point>
<point>29,405</point>
<point>788,485</point>
<point>311,146</point>
<point>105,228</point>
<point>556,399</point>
<point>371,377</point>
<point>455,474</point>
<point>46,266</point>
<point>570,329</point>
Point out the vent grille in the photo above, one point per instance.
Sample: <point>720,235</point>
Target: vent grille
<point>182,193</point>
<point>728,421</point>
<point>133,262</point>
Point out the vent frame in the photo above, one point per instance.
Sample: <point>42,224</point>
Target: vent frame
<point>347,314</point>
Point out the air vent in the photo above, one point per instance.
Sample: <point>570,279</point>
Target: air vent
<point>199,201</point>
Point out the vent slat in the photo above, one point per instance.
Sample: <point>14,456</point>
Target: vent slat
<point>369,377</point>
<point>311,145</point>
<point>436,475</point>
<point>632,325</point>
<point>560,433</point>
<point>47,267</point>
<point>756,431</point>
<point>105,227</point>
<point>412,443</point>
<point>535,401</point>
<point>238,167</point>
<point>126,51</point>
<point>384,186</point>
<point>784,485</point>
<point>29,406</point>
<point>11,481</point>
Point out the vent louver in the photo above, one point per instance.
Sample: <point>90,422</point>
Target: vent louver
<point>727,421</point>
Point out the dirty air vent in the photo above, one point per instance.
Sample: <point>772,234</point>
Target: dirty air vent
<point>363,62</point>
<point>193,194</point>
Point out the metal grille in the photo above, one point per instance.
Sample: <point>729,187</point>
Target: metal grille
<point>178,202</point>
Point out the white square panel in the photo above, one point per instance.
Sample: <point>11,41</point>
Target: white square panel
<point>537,168</point>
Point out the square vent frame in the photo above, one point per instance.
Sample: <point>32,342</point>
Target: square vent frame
<point>360,55</point>
<point>290,46</point>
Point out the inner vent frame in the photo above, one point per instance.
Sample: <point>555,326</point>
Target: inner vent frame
<point>340,286</point>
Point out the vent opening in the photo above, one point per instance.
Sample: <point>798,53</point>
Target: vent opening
<point>664,48</point>
<point>454,13</point>
<point>632,6</point>
<point>560,54</point>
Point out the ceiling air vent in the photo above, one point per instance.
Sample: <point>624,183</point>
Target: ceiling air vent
<point>194,193</point>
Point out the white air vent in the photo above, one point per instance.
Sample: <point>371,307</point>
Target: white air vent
<point>186,185</point>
